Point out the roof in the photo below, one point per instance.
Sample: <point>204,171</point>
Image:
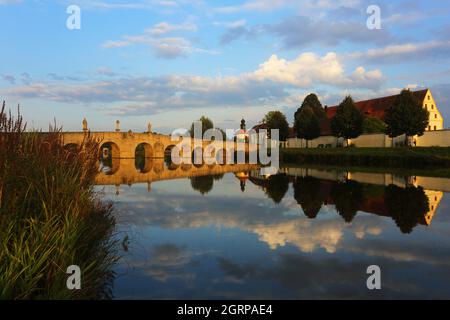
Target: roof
<point>376,107</point>
<point>260,126</point>
<point>372,108</point>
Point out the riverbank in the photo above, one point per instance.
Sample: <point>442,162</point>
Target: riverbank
<point>420,158</point>
<point>50,217</point>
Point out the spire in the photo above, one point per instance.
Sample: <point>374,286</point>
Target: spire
<point>242,124</point>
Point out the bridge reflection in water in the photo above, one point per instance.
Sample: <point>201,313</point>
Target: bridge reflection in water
<point>409,201</point>
<point>116,171</point>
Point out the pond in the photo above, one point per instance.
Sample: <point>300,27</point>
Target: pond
<point>231,233</point>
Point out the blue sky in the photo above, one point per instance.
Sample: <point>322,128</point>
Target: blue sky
<point>171,61</point>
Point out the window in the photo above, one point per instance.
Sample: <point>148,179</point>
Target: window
<point>426,107</point>
<point>429,128</point>
<point>429,97</point>
<point>432,107</point>
<point>435,128</point>
<point>435,116</point>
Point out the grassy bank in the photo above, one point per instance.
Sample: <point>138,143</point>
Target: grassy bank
<point>50,217</point>
<point>371,157</point>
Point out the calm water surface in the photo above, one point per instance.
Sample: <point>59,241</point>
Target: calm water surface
<point>301,234</point>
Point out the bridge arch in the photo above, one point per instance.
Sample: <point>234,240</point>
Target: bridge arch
<point>109,149</point>
<point>143,165</point>
<point>144,149</point>
<point>168,157</point>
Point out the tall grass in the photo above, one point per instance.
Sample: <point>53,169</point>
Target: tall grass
<point>50,216</point>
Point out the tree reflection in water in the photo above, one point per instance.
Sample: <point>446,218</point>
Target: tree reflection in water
<point>202,184</point>
<point>407,206</point>
<point>347,197</point>
<point>307,192</point>
<point>277,186</point>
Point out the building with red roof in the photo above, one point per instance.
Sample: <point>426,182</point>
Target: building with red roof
<point>378,107</point>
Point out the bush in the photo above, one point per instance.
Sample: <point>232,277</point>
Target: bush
<point>50,216</point>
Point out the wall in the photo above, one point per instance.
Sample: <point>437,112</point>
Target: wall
<point>435,120</point>
<point>439,138</point>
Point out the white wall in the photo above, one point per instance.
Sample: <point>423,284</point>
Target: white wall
<point>439,138</point>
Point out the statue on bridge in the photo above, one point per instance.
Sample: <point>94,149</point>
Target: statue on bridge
<point>117,126</point>
<point>85,125</point>
<point>149,128</point>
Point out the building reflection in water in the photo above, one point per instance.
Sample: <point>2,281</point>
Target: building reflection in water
<point>409,201</point>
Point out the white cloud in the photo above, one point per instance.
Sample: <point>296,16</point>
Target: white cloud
<point>164,28</point>
<point>272,83</point>
<point>309,69</point>
<point>168,47</point>
<point>400,52</point>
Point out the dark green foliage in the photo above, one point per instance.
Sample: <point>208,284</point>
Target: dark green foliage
<point>371,157</point>
<point>348,120</point>
<point>202,184</point>
<point>407,206</point>
<point>347,198</point>
<point>312,101</point>
<point>406,116</point>
<point>373,125</point>
<point>277,187</point>
<point>307,124</point>
<point>277,120</point>
<point>308,195</point>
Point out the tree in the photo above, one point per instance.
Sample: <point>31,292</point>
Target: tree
<point>313,102</point>
<point>373,125</point>
<point>307,118</point>
<point>348,120</point>
<point>277,120</point>
<point>406,116</point>
<point>206,124</point>
<point>306,124</point>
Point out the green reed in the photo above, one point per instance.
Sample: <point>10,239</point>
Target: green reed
<point>50,216</point>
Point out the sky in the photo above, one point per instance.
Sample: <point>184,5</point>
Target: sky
<point>169,62</point>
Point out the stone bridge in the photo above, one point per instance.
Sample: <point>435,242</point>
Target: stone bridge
<point>124,144</point>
